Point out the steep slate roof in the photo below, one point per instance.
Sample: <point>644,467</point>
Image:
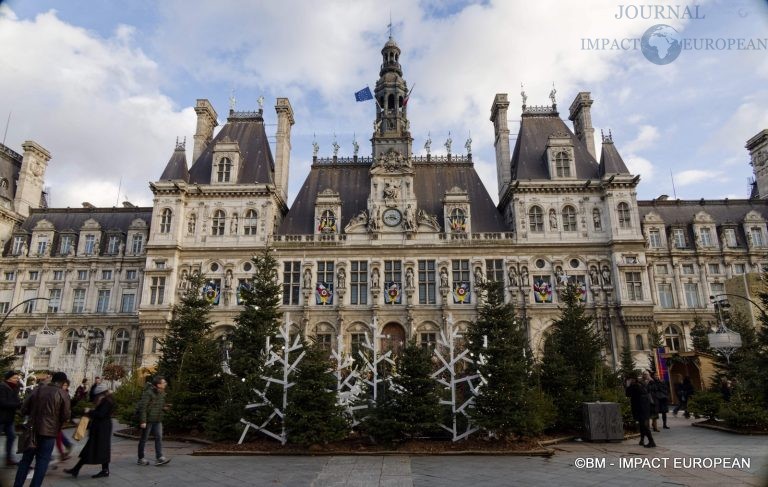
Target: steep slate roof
<point>529,158</point>
<point>176,169</point>
<point>723,212</point>
<point>256,163</point>
<point>610,160</point>
<point>352,182</point>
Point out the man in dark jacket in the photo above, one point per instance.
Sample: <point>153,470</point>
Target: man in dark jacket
<point>48,409</point>
<point>151,408</point>
<point>9,403</point>
<point>640,401</point>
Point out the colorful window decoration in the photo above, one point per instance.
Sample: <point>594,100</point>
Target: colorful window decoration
<point>242,287</point>
<point>458,221</point>
<point>394,293</point>
<point>327,222</point>
<point>580,284</point>
<point>212,291</point>
<point>324,293</point>
<point>542,289</point>
<point>461,294</point>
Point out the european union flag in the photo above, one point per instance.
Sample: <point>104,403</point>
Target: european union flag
<point>364,94</point>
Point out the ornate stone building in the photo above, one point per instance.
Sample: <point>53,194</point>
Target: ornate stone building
<point>397,239</point>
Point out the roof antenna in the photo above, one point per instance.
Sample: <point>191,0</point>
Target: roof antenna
<point>390,23</point>
<point>120,185</point>
<point>674,193</point>
<point>8,122</point>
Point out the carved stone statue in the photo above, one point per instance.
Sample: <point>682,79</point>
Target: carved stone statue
<point>524,276</point>
<point>606,273</point>
<point>479,279</point>
<point>391,192</point>
<point>228,279</point>
<point>513,276</point>
<point>233,225</point>
<point>375,278</point>
<point>355,146</point>
<point>307,279</point>
<point>552,220</point>
<point>523,95</point>
<point>341,278</point>
<point>336,147</point>
<point>448,143</point>
<point>121,248</point>
<point>184,281</point>
<point>443,278</point>
<point>468,145</point>
<point>315,148</point>
<point>409,278</point>
<point>593,277</point>
<point>428,144</point>
<point>410,218</point>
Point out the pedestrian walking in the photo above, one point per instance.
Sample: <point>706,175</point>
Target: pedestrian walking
<point>81,392</point>
<point>684,392</point>
<point>91,393</point>
<point>48,409</point>
<point>660,393</point>
<point>150,409</point>
<point>640,401</point>
<point>9,403</point>
<point>63,444</point>
<point>98,448</point>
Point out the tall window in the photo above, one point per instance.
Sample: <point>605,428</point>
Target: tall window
<point>428,339</point>
<point>70,343</point>
<point>716,288</point>
<point>78,300</point>
<point>29,306</point>
<point>678,236</point>
<point>291,284</point>
<point>536,219</point>
<point>249,222</point>
<point>356,343</point>
<point>458,220</point>
<point>58,275</point>
<point>666,298</point>
<point>325,270</point>
<point>224,170</point>
<point>427,282</point>
<point>102,305</point>
<point>730,237</point>
<point>713,268</point>
<point>691,294</point>
<point>122,339</point>
<point>634,286</point>
<point>20,347</point>
<point>705,237</point>
<point>219,218</point>
<point>672,338</point>
<point>324,341</point>
<point>639,345</point>
<point>127,302</point>
<point>4,307</point>
<point>494,270</point>
<point>137,243</point>
<point>757,237</point>
<point>358,282</point>
<point>54,300</point>
<point>157,290</point>
<point>106,274</point>
<point>460,273</point>
<point>90,241</point>
<point>393,278</point>
<point>562,165</point>
<point>654,239</point>
<point>625,220</point>
<point>165,221</point>
<point>18,244</point>
<point>42,244</point>
<point>569,219</point>
<point>67,241</point>
<point>191,224</point>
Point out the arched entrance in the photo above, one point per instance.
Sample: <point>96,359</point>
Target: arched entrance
<point>393,337</point>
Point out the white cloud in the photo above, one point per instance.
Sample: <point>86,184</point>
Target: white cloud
<point>646,136</point>
<point>94,103</point>
<point>694,176</point>
<point>641,166</point>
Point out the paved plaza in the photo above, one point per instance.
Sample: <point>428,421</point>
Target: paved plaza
<point>680,442</point>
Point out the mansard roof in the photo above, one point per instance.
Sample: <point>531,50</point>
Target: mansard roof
<point>176,169</point>
<point>256,163</point>
<point>431,181</point>
<point>610,160</point>
<point>72,219</point>
<point>529,158</point>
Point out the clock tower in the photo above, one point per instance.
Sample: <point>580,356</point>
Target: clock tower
<point>391,131</point>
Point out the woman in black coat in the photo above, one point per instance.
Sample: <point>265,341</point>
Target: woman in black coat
<point>98,448</point>
<point>640,401</point>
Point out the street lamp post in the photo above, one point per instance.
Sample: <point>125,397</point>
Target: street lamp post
<point>2,321</point>
<point>724,340</point>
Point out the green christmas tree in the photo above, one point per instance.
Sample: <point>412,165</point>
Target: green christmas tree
<point>313,415</point>
<point>655,341</point>
<point>627,367</point>
<point>571,360</point>
<point>699,337</point>
<point>505,405</point>
<point>188,326</point>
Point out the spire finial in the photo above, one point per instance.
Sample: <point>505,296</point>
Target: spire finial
<point>390,23</point>
<point>428,143</point>
<point>260,101</point>
<point>315,146</point>
<point>232,99</point>
<point>523,95</point>
<point>355,145</point>
<point>335,146</point>
<point>552,94</point>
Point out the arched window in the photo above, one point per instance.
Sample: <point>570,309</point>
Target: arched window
<point>569,219</point>
<point>224,170</point>
<point>639,342</point>
<point>249,222</point>
<point>140,343</point>
<point>95,340</point>
<point>327,222</point>
<point>165,220</point>
<point>458,220</point>
<point>219,219</point>
<point>536,219</point>
<point>672,338</point>
<point>624,218</point>
<point>20,347</point>
<point>71,342</point>
<point>597,220</point>
<point>122,339</point>
<point>562,165</point>
<point>191,224</point>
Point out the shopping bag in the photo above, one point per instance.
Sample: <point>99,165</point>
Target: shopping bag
<point>27,439</point>
<point>82,427</point>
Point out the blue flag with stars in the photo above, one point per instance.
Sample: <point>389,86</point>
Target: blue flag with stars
<point>364,94</point>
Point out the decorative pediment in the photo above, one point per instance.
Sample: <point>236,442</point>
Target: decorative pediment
<point>703,217</point>
<point>653,217</point>
<point>392,162</point>
<point>44,226</point>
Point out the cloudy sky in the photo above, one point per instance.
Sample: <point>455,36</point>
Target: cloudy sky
<point>108,86</point>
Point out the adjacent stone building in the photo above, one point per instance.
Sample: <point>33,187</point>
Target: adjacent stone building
<point>391,238</point>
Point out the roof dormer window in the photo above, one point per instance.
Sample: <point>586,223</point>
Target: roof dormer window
<point>224,171</point>
<point>562,165</point>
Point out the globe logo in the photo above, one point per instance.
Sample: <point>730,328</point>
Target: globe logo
<point>661,44</point>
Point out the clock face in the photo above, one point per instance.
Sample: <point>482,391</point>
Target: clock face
<point>392,217</point>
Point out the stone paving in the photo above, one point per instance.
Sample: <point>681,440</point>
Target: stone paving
<point>682,441</point>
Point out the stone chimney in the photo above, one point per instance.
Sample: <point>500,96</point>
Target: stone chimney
<point>501,142</point>
<point>283,145</point>
<point>206,122</point>
<point>29,188</point>
<point>581,116</point>
<point>758,158</point>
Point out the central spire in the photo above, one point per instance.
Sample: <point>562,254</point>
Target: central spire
<point>391,129</point>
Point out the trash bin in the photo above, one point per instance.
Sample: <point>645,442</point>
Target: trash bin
<point>602,421</point>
